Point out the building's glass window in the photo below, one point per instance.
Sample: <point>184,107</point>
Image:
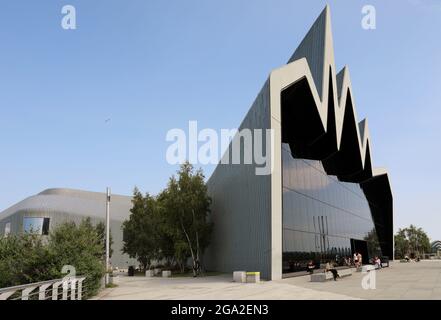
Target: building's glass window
<point>36,225</point>
<point>7,228</point>
<point>324,219</point>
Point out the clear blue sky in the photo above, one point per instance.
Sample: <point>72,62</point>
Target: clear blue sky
<point>154,65</point>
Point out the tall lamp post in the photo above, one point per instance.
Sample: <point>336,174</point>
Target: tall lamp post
<point>107,234</point>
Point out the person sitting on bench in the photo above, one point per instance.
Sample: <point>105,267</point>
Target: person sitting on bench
<point>330,268</point>
<point>377,263</point>
<point>311,267</point>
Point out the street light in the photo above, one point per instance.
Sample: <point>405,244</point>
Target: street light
<point>107,234</point>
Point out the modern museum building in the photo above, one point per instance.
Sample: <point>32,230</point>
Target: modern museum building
<point>323,199</point>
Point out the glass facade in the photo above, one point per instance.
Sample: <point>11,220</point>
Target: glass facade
<point>322,217</point>
<point>36,225</point>
<point>7,229</point>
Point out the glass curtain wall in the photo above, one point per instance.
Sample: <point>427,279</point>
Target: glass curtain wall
<point>321,216</point>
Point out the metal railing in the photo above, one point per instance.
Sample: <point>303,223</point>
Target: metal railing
<point>70,288</point>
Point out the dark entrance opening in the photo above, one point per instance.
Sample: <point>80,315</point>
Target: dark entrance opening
<point>361,247</point>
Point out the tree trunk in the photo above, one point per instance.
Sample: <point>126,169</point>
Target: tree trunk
<point>197,246</point>
<point>189,244</point>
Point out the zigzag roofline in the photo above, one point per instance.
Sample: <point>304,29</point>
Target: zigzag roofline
<point>314,60</point>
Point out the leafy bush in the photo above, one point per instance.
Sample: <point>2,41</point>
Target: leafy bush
<point>24,259</point>
<point>79,246</point>
<point>28,258</point>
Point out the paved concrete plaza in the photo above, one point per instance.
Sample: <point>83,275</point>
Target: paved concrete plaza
<point>413,280</point>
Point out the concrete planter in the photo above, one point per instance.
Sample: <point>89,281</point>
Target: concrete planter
<point>103,282</point>
<point>114,279</point>
<point>166,274</point>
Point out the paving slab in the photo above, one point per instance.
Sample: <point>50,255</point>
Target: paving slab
<point>417,280</point>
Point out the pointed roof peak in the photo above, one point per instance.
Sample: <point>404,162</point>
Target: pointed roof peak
<point>314,46</point>
<point>322,18</point>
<point>319,27</point>
<point>325,14</point>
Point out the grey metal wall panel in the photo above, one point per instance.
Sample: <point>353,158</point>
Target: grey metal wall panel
<point>241,208</point>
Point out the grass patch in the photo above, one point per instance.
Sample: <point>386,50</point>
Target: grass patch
<point>111,285</point>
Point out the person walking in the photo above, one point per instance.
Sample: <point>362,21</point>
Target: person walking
<point>356,259</point>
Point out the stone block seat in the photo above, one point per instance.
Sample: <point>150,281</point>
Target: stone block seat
<point>166,273</point>
<point>366,268</point>
<point>323,276</point>
<point>253,277</point>
<point>240,276</point>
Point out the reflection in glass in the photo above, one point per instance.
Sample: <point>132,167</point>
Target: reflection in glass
<point>322,216</point>
<point>36,225</point>
<point>7,229</point>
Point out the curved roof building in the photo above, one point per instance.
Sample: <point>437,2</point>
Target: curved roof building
<point>323,199</point>
<point>436,246</point>
<point>42,212</point>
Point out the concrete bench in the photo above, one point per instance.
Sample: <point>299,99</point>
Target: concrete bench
<point>166,274</point>
<point>240,276</point>
<point>345,272</point>
<point>366,268</point>
<point>323,276</point>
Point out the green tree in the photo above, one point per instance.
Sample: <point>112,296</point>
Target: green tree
<point>401,244</point>
<point>411,241</point>
<point>185,206</point>
<point>181,253</point>
<point>140,232</point>
<point>165,240</point>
